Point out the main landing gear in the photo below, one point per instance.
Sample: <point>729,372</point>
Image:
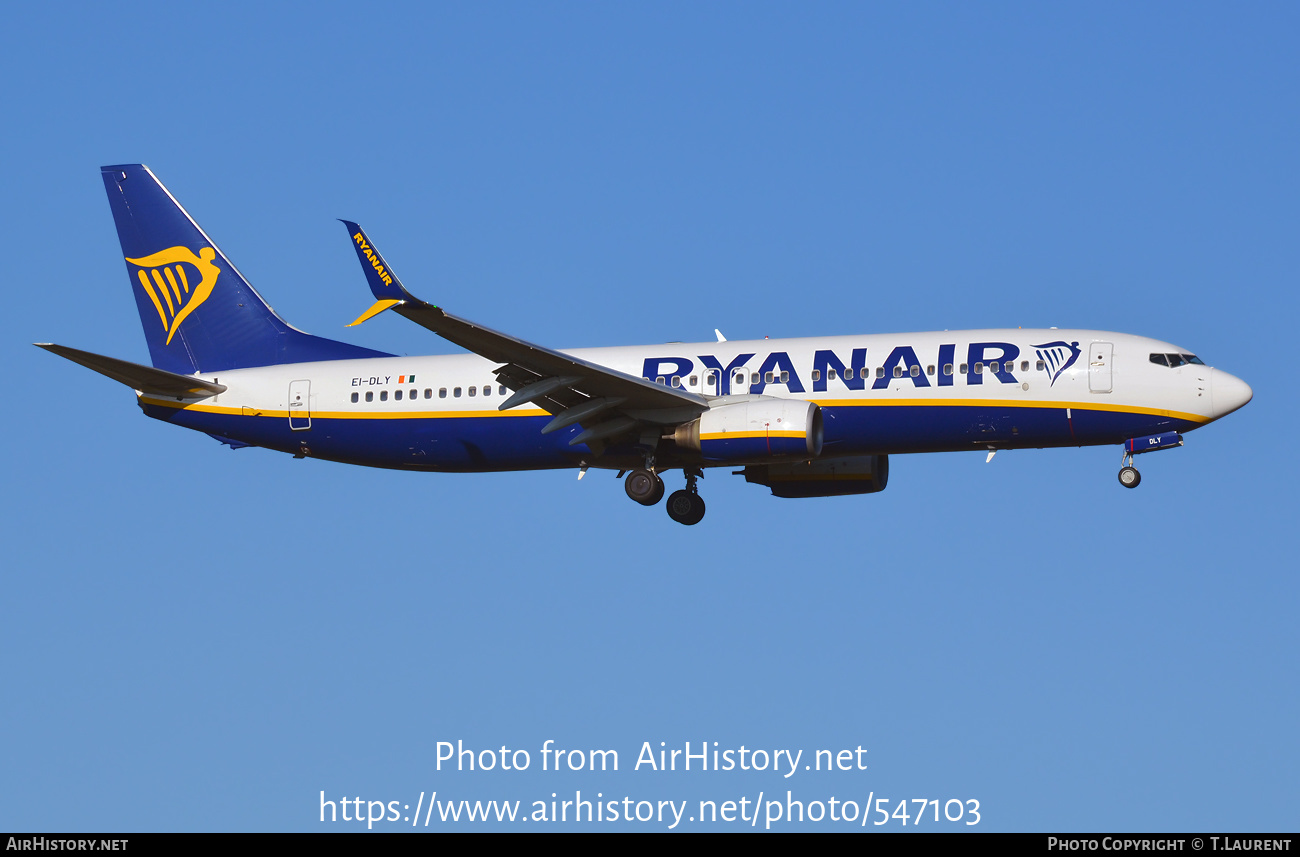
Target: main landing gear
<point>1128,474</point>
<point>644,486</point>
<point>685,507</point>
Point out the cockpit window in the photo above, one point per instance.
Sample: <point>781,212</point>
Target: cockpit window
<point>1175,360</point>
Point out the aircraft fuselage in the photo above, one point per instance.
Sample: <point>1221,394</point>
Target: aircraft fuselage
<point>879,394</point>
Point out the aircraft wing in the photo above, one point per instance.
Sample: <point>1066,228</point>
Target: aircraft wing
<point>606,402</point>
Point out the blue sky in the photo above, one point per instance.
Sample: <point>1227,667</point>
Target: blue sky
<point>200,639</point>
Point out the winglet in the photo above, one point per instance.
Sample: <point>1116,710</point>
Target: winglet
<point>379,306</point>
<point>383,282</point>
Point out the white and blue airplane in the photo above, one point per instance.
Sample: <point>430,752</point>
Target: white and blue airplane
<point>809,417</point>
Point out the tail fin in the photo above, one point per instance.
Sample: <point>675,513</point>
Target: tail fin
<point>198,311</point>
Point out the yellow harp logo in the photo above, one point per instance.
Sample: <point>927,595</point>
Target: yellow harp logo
<point>168,286</point>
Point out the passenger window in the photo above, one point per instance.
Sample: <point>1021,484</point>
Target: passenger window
<point>473,390</point>
<point>659,379</point>
<point>830,374</point>
<point>929,370</point>
<point>383,395</point>
<point>995,367</point>
<point>455,393</point>
<point>915,370</point>
<point>397,396</point>
<point>695,379</point>
<point>817,374</point>
<point>354,398</point>
<point>880,371</point>
<point>487,389</point>
<point>710,378</point>
<point>740,379</point>
<point>1024,365</point>
<point>964,368</point>
<point>501,389</point>
<point>947,368</point>
<point>1040,366</point>
<point>979,368</point>
<point>767,377</point>
<point>370,397</point>
<point>753,379</point>
<point>898,371</point>
<point>785,377</point>
<point>677,380</point>
<point>442,392</point>
<point>428,393</point>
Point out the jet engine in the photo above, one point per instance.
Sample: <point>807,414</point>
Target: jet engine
<point>756,429</point>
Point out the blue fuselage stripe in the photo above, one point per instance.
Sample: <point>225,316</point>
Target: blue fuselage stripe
<point>479,443</point>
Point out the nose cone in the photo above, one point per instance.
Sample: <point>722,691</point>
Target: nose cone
<point>1228,392</point>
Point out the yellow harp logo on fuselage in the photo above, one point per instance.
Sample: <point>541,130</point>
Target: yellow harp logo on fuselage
<point>163,277</point>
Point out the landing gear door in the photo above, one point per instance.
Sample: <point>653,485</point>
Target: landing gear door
<point>1100,357</point>
<point>300,405</point>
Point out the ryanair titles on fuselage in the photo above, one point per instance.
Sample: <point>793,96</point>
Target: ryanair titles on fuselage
<point>999,358</point>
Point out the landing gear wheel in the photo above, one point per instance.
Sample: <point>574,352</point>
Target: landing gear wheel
<point>1129,477</point>
<point>686,507</point>
<point>644,486</point>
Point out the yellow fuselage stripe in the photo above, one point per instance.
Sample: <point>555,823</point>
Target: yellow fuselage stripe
<point>340,415</point>
<point>825,403</point>
<point>734,435</point>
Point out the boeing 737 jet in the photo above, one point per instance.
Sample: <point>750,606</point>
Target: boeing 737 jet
<point>810,417</point>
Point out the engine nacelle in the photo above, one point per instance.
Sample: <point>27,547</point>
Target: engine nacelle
<point>759,428</point>
<point>831,477</point>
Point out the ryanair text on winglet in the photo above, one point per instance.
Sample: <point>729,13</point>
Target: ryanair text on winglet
<point>374,259</point>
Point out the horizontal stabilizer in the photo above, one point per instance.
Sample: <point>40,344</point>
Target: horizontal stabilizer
<point>146,379</point>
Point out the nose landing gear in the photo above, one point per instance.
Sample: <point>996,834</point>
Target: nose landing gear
<point>1128,474</point>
